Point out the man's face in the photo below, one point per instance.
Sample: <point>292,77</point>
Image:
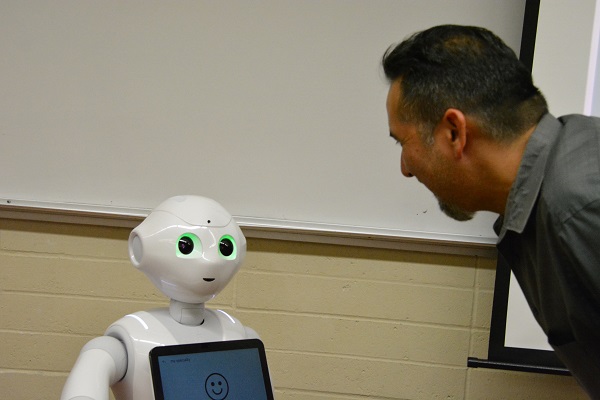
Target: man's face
<point>424,161</point>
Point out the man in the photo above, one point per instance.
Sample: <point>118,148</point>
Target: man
<point>477,133</point>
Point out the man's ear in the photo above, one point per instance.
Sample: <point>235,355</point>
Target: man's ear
<point>454,129</point>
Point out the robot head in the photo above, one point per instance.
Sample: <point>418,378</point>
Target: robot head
<point>189,246</point>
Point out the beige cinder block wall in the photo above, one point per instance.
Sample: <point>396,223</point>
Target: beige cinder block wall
<point>338,322</point>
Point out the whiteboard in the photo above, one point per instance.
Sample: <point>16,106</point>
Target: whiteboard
<point>522,330</point>
<point>274,108</point>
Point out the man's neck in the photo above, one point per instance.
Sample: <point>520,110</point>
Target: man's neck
<point>500,164</point>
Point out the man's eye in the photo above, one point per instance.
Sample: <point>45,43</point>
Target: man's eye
<point>398,142</point>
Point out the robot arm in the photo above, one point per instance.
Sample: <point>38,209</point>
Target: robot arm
<point>102,362</point>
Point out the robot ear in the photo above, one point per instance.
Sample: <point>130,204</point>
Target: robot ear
<point>136,249</point>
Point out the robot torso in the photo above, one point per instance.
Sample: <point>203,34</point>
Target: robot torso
<point>140,332</point>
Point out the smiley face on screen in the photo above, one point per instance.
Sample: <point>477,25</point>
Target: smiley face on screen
<point>216,387</point>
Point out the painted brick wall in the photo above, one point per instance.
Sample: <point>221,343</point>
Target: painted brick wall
<point>338,322</point>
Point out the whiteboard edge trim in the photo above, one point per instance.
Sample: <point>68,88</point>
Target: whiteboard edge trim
<point>300,231</point>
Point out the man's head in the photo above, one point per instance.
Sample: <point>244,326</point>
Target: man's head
<point>467,68</point>
<point>450,87</point>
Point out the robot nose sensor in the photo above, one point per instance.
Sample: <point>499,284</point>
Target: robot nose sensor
<point>136,250</point>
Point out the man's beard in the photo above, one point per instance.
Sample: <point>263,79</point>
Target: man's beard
<point>455,212</point>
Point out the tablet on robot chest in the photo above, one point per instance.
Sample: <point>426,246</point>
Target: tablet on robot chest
<point>214,371</point>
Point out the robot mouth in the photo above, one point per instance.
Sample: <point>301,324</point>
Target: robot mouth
<point>209,279</point>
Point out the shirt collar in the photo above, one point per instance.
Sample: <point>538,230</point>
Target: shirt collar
<point>524,191</point>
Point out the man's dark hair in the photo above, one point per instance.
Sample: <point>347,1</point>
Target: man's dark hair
<point>467,68</point>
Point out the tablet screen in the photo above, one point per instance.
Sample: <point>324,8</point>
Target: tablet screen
<point>211,371</point>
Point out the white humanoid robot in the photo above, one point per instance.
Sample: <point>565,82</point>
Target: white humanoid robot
<point>190,247</point>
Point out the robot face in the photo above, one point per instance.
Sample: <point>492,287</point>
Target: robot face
<point>189,247</point>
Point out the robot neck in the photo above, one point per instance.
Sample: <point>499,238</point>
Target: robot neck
<point>186,313</point>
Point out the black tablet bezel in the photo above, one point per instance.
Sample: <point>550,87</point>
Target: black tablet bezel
<point>192,348</point>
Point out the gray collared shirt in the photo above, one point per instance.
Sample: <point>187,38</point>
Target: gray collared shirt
<point>550,237</point>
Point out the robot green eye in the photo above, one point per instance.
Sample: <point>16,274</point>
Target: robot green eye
<point>227,247</point>
<point>187,243</point>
